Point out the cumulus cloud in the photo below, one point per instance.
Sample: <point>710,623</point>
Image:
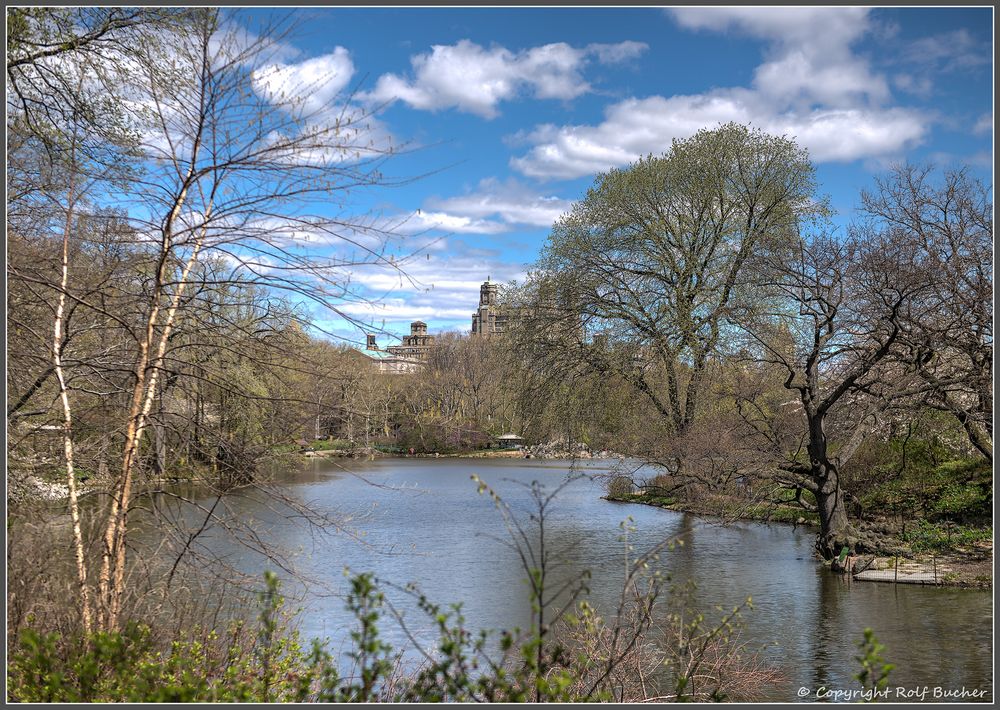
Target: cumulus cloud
<point>331,129</point>
<point>494,207</point>
<point>475,79</point>
<point>809,59</point>
<point>461,224</point>
<point>798,25</point>
<point>334,130</point>
<point>984,125</point>
<point>810,87</point>
<point>637,127</point>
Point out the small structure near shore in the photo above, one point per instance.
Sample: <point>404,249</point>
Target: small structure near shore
<point>510,441</point>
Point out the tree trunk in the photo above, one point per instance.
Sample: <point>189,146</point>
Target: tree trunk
<point>836,530</point>
<point>57,343</point>
<point>159,449</point>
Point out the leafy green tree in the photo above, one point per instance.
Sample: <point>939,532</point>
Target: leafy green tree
<point>655,257</point>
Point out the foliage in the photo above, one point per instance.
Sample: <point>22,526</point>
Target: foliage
<point>874,673</point>
<point>959,490</point>
<point>270,665</point>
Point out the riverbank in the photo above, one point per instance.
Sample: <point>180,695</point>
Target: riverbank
<point>538,451</point>
<point>725,508</point>
<point>968,565</point>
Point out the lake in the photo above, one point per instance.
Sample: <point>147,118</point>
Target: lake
<point>421,520</point>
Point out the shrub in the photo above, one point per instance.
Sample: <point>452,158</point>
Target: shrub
<point>619,487</point>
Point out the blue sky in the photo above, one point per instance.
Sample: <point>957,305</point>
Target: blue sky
<point>509,113</point>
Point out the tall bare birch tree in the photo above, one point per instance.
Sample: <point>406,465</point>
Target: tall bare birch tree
<point>237,182</point>
<point>234,167</point>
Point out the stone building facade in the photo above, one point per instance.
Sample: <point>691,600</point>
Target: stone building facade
<point>490,317</point>
<point>408,356</point>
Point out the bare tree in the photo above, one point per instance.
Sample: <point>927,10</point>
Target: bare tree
<point>834,325</point>
<point>950,220</point>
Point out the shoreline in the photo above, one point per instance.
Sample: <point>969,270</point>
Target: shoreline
<point>472,454</point>
<point>958,568</point>
<point>706,512</point>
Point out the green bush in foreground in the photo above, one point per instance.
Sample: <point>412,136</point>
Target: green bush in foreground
<point>874,673</point>
<point>270,667</point>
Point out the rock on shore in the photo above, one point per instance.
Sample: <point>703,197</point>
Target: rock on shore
<point>562,450</point>
<point>21,489</point>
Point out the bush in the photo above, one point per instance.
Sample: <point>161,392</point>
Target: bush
<point>964,502</point>
<point>125,666</point>
<point>619,487</point>
<point>959,490</point>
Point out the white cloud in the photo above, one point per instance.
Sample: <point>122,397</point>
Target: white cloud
<point>810,87</point>
<point>843,135</point>
<point>313,84</point>
<point>950,51</point>
<point>618,52</point>
<point>827,26</point>
<point>474,79</point>
<point>340,135</point>
<point>800,76</point>
<point>984,126</point>
<point>236,43</point>
<point>637,127</point>
<point>980,159</point>
<point>921,86</point>
<point>495,207</point>
<point>511,202</point>
<point>809,58</point>
<point>402,310</point>
<point>461,224</point>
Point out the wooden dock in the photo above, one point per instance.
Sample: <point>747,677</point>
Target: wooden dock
<point>904,577</point>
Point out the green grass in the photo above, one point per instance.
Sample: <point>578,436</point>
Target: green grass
<point>928,536</point>
<point>332,445</point>
<point>785,514</point>
<point>959,490</point>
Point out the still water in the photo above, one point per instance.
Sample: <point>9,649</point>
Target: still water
<point>422,521</point>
